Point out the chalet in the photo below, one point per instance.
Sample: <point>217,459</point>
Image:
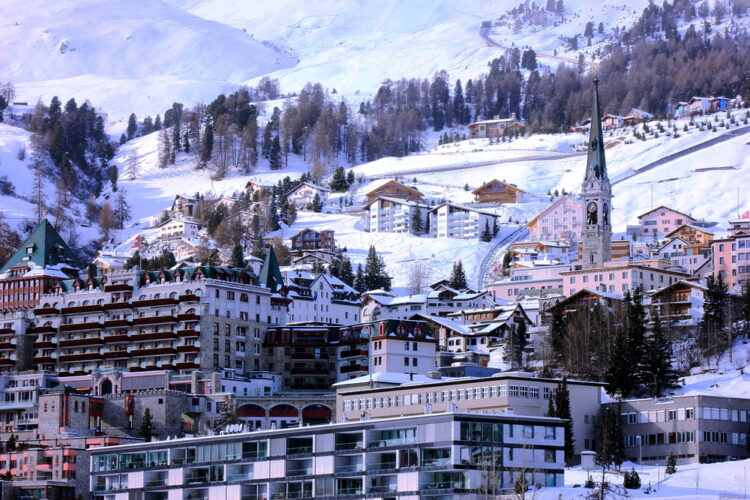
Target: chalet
<point>679,304</point>
<point>495,128</point>
<point>183,206</point>
<point>562,220</point>
<point>310,239</point>
<point>450,220</point>
<point>682,255</point>
<point>37,265</point>
<point>610,121</point>
<point>700,105</point>
<point>394,189</point>
<point>692,234</point>
<point>395,215</point>
<point>261,188</point>
<point>636,115</point>
<point>175,229</point>
<point>660,221</point>
<point>379,304</point>
<point>313,258</point>
<point>496,191</point>
<point>304,194</point>
<point>586,298</point>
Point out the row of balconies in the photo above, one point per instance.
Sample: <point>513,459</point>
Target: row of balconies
<point>79,309</point>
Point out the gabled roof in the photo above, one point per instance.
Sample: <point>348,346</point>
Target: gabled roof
<point>680,283</point>
<point>589,292</point>
<point>310,184</point>
<point>665,208</point>
<point>465,208</point>
<point>398,201</point>
<point>270,273</point>
<point>43,248</point>
<point>552,205</point>
<point>493,182</point>
<point>697,228</point>
<point>665,245</point>
<point>391,182</point>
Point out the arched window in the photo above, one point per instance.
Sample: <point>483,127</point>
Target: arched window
<point>243,297</point>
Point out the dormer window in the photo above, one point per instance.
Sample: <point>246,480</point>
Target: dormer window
<point>29,250</point>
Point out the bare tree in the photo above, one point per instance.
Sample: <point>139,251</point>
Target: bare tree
<point>132,168</point>
<point>419,277</point>
<point>37,194</point>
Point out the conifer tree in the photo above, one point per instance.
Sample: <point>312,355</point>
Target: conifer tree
<point>208,142</point>
<point>238,257</point>
<point>416,222</point>
<point>671,467</point>
<point>457,279</point>
<point>518,342</point>
<point>132,126</point>
<point>375,275</point>
<point>274,157</point>
<point>345,272</point>
<point>656,369</point>
<point>146,430</point>
<point>359,280</point>
<point>712,327</point>
<point>273,215</point>
<point>562,410</point>
<point>338,181</point>
<point>486,234</point>
<point>557,333</point>
<point>226,418</point>
<point>350,178</point>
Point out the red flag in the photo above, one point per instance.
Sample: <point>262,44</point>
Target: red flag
<point>137,242</point>
<point>746,215</point>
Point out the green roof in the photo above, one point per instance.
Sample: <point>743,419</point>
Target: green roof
<point>270,273</point>
<point>45,247</point>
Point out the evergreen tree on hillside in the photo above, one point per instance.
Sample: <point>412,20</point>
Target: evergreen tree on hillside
<point>557,333</point>
<point>375,274</point>
<point>359,280</point>
<point>350,178</point>
<point>238,256</point>
<point>518,343</point>
<point>656,369</point>
<point>457,279</point>
<point>712,330</point>
<point>274,159</point>
<point>208,142</point>
<point>273,215</point>
<point>132,126</point>
<point>338,181</point>
<point>486,234</point>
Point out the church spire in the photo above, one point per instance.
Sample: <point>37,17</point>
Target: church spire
<point>596,165</point>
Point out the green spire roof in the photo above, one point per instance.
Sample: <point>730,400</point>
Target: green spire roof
<point>270,273</point>
<point>596,164</point>
<point>44,248</point>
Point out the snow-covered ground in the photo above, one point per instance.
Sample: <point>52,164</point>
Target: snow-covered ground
<point>691,482</point>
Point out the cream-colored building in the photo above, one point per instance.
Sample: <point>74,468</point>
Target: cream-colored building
<point>519,393</point>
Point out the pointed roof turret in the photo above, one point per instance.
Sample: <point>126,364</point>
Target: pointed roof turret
<point>44,247</point>
<point>596,164</point>
<point>270,273</point>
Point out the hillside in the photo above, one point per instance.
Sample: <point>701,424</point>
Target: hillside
<point>135,56</point>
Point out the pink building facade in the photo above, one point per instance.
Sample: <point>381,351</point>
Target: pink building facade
<point>619,279</point>
<point>560,221</point>
<point>529,281</point>
<point>731,260</point>
<point>661,221</point>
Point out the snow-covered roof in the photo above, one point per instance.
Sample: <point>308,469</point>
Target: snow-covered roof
<point>386,378</point>
<point>398,201</point>
<point>465,208</point>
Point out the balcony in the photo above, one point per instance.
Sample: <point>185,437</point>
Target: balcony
<point>46,311</point>
<point>9,331</point>
<point>391,465</point>
<point>81,342</point>
<point>353,368</point>
<point>46,359</point>
<point>115,338</point>
<point>445,485</point>
<point>310,371</point>
<point>340,469</point>
<point>304,471</point>
<point>85,356</point>
<point>118,354</point>
<point>380,489</point>
<point>239,477</point>
<point>45,343</point>
<point>81,309</point>
<point>40,329</point>
<point>154,320</point>
<point>189,347</point>
<point>188,317</point>
<point>7,361</point>
<point>153,351</point>
<point>353,352</point>
<point>7,344</point>
<point>165,301</point>
<point>80,327</point>
<point>189,298</point>
<point>114,306</point>
<point>137,337</point>
<point>308,355</point>
<point>187,365</point>
<point>113,323</point>
<point>118,287</point>
<point>187,333</point>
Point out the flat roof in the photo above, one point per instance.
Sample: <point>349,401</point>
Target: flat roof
<point>317,428</point>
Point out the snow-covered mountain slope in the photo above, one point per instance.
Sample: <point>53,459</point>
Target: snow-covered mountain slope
<point>354,45</point>
<point>139,55</point>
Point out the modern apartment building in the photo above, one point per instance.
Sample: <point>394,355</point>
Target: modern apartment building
<point>437,456</point>
<point>508,392</point>
<point>450,220</point>
<point>696,428</point>
<point>731,260</point>
<point>395,215</point>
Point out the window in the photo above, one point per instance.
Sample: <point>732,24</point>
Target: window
<point>550,433</point>
<point>549,456</point>
<point>528,431</point>
<point>406,361</point>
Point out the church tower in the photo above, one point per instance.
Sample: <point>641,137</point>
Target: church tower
<point>596,193</point>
